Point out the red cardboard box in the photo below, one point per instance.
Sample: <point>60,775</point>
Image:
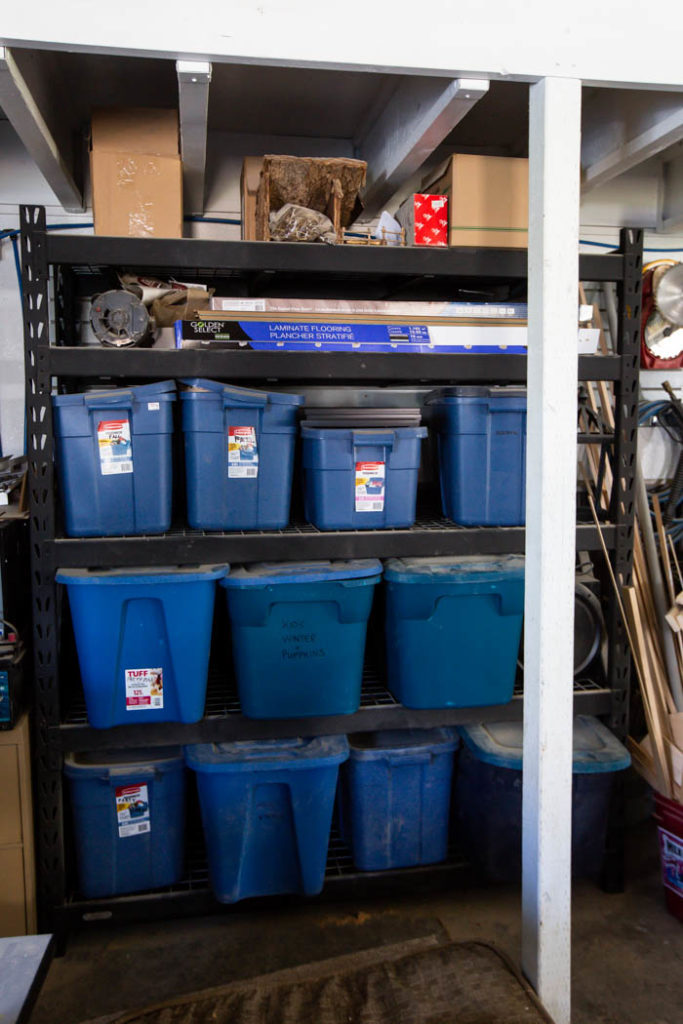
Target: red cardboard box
<point>424,217</point>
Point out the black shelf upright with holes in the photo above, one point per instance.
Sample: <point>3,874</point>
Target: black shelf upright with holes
<point>53,265</point>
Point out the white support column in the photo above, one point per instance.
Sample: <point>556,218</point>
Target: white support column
<point>554,149</point>
<point>194,78</point>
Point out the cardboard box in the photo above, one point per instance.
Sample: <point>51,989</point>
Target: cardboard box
<point>136,173</point>
<point>488,200</point>
<point>424,218</point>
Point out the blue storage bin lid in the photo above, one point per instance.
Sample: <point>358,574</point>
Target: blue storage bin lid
<point>455,392</point>
<point>121,762</point>
<point>375,746</point>
<point>260,574</point>
<point>140,392</point>
<point>458,568</point>
<point>595,748</point>
<point>145,574</point>
<point>383,434</point>
<point>198,385</point>
<point>267,755</point>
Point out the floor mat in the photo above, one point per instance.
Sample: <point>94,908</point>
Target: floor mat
<point>416,982</point>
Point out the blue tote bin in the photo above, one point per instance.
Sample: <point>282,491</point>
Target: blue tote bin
<point>453,627</point>
<point>298,635</point>
<point>267,811</point>
<point>143,638</point>
<point>129,819</point>
<point>239,455</point>
<point>114,460</point>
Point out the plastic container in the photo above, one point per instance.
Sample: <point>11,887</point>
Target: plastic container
<point>361,479</point>
<point>669,815</point>
<point>129,819</point>
<point>488,795</point>
<point>395,797</point>
<point>298,635</point>
<point>239,456</point>
<point>143,638</point>
<point>453,627</point>
<point>114,460</point>
<point>266,810</point>
<point>481,437</point>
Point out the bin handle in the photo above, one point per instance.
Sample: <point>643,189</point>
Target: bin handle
<point>121,401</point>
<point>248,399</point>
<point>373,439</point>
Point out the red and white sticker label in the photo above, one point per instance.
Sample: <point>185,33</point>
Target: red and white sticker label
<point>370,480</point>
<point>144,689</point>
<point>132,811</point>
<point>242,453</point>
<point>671,850</point>
<point>114,447</point>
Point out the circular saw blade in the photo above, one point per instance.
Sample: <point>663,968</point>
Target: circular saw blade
<point>668,291</point>
<point>662,339</point>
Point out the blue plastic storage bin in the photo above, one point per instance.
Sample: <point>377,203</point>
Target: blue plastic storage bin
<point>361,479</point>
<point>143,638</point>
<point>395,797</point>
<point>266,810</point>
<point>488,795</point>
<point>129,819</point>
<point>453,628</point>
<point>114,459</point>
<point>239,455</point>
<point>481,437</point>
<point>298,635</point>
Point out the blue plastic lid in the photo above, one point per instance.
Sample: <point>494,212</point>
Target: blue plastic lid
<point>260,573</point>
<point>451,393</point>
<point>460,568</point>
<point>140,392</point>
<point>501,743</point>
<point>371,746</point>
<point>197,385</point>
<point>121,762</point>
<point>146,574</point>
<point>348,433</point>
<point>266,755</point>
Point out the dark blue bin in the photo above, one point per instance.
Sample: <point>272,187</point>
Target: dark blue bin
<point>361,479</point>
<point>395,797</point>
<point>239,456</point>
<point>488,795</point>
<point>453,627</point>
<point>114,460</point>
<point>129,819</point>
<point>298,635</point>
<point>143,638</point>
<point>481,437</point>
<point>267,810</point>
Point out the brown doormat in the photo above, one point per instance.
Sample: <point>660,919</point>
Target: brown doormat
<point>459,983</point>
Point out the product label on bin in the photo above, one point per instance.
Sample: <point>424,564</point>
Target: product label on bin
<point>671,850</point>
<point>144,689</point>
<point>242,453</point>
<point>132,810</point>
<point>113,442</point>
<point>370,486</point>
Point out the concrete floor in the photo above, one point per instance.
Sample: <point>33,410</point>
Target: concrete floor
<point>627,950</point>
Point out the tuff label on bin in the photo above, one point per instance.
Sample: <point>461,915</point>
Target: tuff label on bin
<point>113,442</point>
<point>132,810</point>
<point>242,453</point>
<point>370,479</point>
<point>671,849</point>
<point>144,689</point>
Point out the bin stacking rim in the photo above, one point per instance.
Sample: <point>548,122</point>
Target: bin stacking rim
<point>455,569</point>
<point>267,755</point>
<point>263,574</point>
<point>120,762</point>
<point>392,744</point>
<point>152,575</point>
<point>194,386</point>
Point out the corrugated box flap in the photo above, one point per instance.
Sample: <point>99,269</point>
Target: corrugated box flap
<point>135,130</point>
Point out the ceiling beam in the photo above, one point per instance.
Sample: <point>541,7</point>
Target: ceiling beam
<point>27,120</point>
<point>623,129</point>
<point>194,78</point>
<point>417,118</point>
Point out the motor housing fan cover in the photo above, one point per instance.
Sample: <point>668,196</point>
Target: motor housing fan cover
<point>120,320</point>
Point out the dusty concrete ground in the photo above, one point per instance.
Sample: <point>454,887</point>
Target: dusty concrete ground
<point>627,950</point>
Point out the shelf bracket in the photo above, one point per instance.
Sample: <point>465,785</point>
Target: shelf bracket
<point>194,79</point>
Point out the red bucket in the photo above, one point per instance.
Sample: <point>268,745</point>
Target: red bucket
<point>669,817</point>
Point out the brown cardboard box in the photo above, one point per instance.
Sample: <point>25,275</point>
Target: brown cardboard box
<point>488,199</point>
<point>136,172</point>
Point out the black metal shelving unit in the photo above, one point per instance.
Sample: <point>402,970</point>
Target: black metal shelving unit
<point>52,266</point>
